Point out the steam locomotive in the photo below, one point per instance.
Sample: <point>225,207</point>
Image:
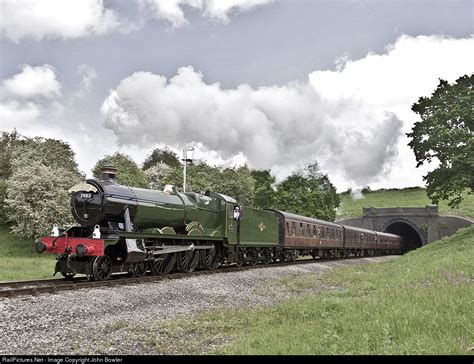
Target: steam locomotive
<point>136,230</point>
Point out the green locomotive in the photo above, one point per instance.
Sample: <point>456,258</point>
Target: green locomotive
<point>136,230</point>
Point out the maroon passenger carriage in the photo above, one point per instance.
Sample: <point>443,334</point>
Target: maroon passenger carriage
<point>300,235</point>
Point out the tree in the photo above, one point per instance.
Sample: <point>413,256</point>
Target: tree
<point>238,183</point>
<point>264,194</point>
<point>445,135</point>
<point>157,174</point>
<point>201,177</point>
<point>37,198</point>
<point>7,143</point>
<point>128,173</point>
<point>165,156</point>
<point>308,193</point>
<point>42,171</point>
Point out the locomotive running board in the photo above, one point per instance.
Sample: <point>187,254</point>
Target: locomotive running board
<point>179,248</point>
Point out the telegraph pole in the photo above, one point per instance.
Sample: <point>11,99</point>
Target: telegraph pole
<point>186,160</point>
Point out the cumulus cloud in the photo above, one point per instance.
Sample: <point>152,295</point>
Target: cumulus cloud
<point>350,120</point>
<point>69,19</point>
<point>31,82</point>
<point>28,96</point>
<point>55,19</point>
<point>172,10</point>
<point>32,101</point>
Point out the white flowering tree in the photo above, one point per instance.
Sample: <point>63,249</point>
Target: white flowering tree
<point>156,175</point>
<point>37,189</point>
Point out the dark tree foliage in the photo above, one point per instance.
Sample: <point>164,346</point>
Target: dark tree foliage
<point>264,194</point>
<point>165,156</point>
<point>7,143</point>
<point>238,183</point>
<point>128,172</point>
<point>201,177</point>
<point>445,134</point>
<point>308,193</point>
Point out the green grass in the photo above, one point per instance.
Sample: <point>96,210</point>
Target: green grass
<point>409,197</point>
<point>20,261</point>
<point>419,303</point>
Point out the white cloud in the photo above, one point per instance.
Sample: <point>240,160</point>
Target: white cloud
<point>88,75</point>
<point>39,19</point>
<point>68,19</point>
<point>29,97</point>
<point>172,10</point>
<point>393,82</point>
<point>350,120</point>
<point>31,101</point>
<point>31,82</point>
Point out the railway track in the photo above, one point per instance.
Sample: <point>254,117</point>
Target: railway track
<point>36,287</point>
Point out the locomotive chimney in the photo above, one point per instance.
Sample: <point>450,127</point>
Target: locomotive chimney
<point>109,173</point>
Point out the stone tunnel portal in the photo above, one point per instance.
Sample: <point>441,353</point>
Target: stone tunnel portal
<point>412,238</point>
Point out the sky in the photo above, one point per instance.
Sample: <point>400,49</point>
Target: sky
<point>274,84</point>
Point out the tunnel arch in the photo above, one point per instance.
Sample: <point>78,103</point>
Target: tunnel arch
<point>414,237</point>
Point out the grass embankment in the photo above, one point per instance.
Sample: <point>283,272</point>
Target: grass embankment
<point>20,261</point>
<point>419,303</point>
<point>409,197</point>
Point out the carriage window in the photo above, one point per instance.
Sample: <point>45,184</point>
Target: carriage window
<point>293,229</point>
<point>308,230</point>
<point>315,231</point>
<point>301,229</point>
<point>287,229</point>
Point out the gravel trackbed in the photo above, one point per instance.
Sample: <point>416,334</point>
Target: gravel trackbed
<point>93,321</point>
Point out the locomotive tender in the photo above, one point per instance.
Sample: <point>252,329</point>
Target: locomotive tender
<point>136,230</point>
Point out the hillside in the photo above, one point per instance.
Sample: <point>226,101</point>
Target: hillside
<point>408,197</point>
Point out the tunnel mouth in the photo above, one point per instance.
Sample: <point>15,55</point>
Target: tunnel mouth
<point>411,238</point>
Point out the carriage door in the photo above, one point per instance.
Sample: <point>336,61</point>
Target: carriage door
<point>232,225</point>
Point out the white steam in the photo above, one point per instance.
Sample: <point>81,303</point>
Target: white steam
<point>287,125</point>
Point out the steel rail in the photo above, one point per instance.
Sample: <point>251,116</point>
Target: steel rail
<point>35,287</point>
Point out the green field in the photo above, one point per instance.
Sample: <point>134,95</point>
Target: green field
<point>409,197</point>
<point>419,303</point>
<point>20,261</point>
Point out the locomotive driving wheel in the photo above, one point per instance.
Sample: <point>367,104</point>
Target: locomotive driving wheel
<point>163,263</point>
<point>188,260</point>
<point>137,269</point>
<point>102,267</point>
<point>211,258</point>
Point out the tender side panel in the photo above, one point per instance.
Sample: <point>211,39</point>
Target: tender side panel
<point>258,227</point>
